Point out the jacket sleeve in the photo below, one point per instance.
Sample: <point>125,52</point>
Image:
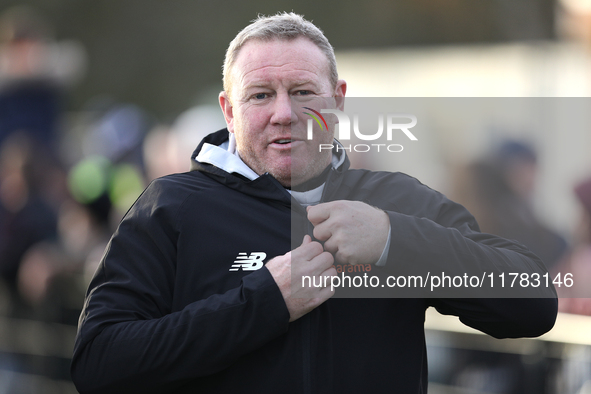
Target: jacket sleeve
<point>437,236</point>
<point>130,340</point>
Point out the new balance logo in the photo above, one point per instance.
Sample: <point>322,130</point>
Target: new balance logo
<point>248,263</point>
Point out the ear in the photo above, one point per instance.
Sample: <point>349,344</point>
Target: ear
<point>339,94</point>
<point>227,109</point>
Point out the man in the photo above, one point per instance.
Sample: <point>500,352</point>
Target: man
<point>182,301</point>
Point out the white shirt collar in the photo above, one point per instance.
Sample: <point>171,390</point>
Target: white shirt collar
<point>225,157</point>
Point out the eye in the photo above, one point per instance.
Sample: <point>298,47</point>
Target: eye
<point>260,96</point>
<point>304,92</point>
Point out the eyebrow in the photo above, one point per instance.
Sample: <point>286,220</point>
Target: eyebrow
<point>266,84</point>
<point>257,85</point>
<point>262,84</point>
<point>306,82</point>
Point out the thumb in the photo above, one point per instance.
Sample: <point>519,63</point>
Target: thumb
<point>307,239</point>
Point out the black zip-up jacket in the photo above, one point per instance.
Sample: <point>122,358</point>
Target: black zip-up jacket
<point>165,312</point>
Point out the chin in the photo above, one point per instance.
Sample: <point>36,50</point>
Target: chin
<point>282,177</point>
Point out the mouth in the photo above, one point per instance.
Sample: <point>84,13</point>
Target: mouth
<point>285,143</point>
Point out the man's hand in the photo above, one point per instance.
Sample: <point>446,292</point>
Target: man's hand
<point>309,259</point>
<point>354,232</point>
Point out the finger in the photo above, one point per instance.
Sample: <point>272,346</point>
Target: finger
<point>326,292</point>
<point>331,246</point>
<point>322,231</point>
<point>325,278</point>
<point>331,271</point>
<point>322,262</point>
<point>318,213</point>
<point>307,239</point>
<point>307,251</point>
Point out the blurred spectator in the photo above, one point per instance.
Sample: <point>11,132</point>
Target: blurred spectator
<point>27,216</point>
<point>117,133</point>
<point>499,192</point>
<point>168,150</point>
<point>578,261</point>
<point>502,200</point>
<point>37,271</point>
<point>573,20</point>
<point>34,70</point>
<point>110,174</point>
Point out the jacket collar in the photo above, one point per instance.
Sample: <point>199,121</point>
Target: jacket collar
<point>224,156</point>
<point>214,157</point>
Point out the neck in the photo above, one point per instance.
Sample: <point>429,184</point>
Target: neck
<point>314,182</point>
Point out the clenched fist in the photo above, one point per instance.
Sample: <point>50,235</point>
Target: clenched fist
<point>354,232</point>
<point>309,259</point>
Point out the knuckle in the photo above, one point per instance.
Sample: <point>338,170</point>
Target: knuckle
<point>329,258</point>
<point>317,233</point>
<point>346,257</point>
<point>316,247</point>
<point>330,247</point>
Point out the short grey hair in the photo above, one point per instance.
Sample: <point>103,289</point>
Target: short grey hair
<point>282,26</point>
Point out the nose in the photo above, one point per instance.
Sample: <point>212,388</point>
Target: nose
<point>282,112</point>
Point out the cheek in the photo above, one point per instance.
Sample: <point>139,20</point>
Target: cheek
<point>324,138</point>
<point>251,120</point>
<point>248,134</point>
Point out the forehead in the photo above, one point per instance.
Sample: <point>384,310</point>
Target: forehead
<point>263,61</point>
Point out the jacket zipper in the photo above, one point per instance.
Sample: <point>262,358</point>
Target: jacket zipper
<point>307,357</point>
<point>307,324</point>
<point>306,321</point>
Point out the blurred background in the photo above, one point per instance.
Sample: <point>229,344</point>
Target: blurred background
<point>98,98</point>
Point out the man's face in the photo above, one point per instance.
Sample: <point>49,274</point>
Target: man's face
<point>270,137</point>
